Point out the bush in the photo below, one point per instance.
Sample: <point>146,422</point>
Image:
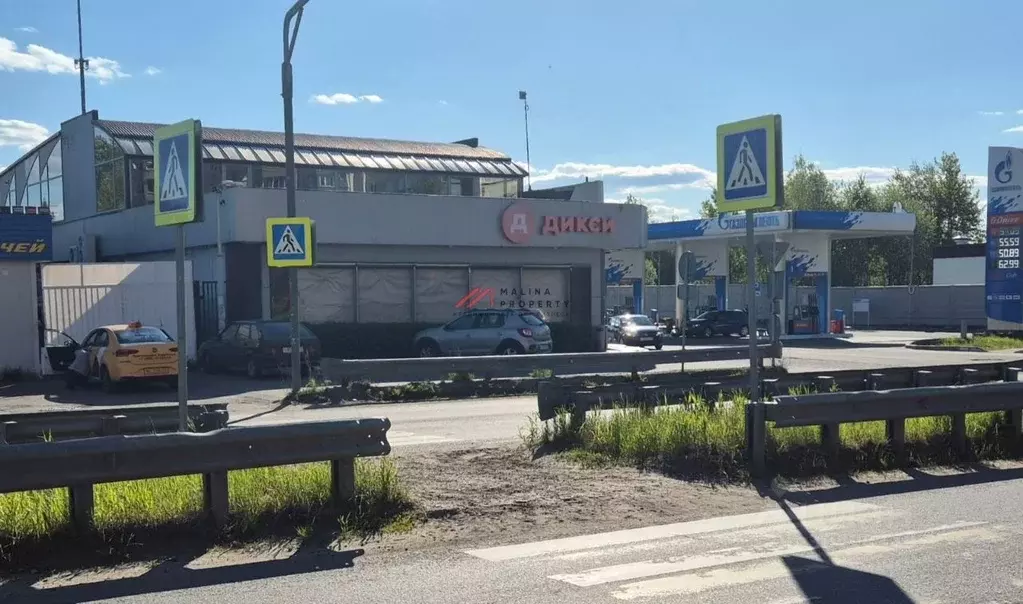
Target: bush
<point>395,340</point>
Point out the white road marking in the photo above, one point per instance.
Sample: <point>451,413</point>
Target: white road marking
<point>698,527</point>
<point>732,555</point>
<point>698,582</point>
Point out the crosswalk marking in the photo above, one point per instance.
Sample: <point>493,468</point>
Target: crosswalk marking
<point>698,527</point>
<point>723,557</point>
<point>718,577</point>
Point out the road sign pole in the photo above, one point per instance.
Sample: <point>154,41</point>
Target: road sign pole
<point>290,37</point>
<point>179,266</point>
<point>685,301</point>
<point>751,276</point>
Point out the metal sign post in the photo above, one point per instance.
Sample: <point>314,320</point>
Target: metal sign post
<point>750,178</point>
<point>177,171</point>
<point>685,272</point>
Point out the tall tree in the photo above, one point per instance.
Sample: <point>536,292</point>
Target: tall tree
<point>953,201</point>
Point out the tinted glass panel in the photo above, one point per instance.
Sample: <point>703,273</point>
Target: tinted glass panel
<point>144,335</point>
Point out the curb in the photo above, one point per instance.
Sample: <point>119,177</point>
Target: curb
<point>946,348</point>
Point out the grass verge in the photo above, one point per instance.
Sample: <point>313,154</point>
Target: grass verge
<point>708,442</point>
<point>986,342</point>
<point>134,519</point>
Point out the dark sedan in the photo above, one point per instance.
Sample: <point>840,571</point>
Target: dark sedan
<point>258,348</point>
<point>635,330</point>
<point>719,323</point>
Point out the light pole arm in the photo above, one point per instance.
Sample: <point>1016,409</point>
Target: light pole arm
<point>290,36</point>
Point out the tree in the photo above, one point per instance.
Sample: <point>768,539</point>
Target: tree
<point>807,187</point>
<point>709,206</point>
<point>650,272</point>
<point>953,201</point>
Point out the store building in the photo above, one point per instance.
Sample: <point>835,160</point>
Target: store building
<point>409,233</point>
<point>25,242</point>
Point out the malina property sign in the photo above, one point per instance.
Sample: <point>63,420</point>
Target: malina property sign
<point>543,299</point>
<point>519,224</point>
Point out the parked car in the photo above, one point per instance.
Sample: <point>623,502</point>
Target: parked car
<point>258,348</point>
<point>481,332</point>
<point>116,354</point>
<point>719,322</point>
<point>635,330</point>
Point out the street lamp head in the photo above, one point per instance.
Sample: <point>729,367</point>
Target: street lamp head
<point>522,95</point>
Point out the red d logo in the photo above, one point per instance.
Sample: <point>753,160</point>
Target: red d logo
<point>516,222</point>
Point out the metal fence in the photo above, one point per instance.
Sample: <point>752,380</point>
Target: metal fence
<point>207,324</point>
<point>897,306</point>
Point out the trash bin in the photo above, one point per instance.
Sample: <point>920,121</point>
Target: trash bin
<point>837,321</point>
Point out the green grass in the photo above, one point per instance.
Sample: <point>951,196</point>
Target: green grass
<point>986,342</point>
<point>710,441</point>
<point>263,502</point>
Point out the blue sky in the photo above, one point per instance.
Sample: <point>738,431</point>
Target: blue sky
<point>629,92</point>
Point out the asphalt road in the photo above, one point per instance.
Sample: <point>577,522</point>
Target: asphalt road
<point>925,540</point>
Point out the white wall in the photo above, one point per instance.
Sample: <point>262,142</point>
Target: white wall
<point>959,271</point>
<point>78,298</point>
<point>19,328</point>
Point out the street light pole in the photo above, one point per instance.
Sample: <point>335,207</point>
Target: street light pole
<point>525,112</point>
<point>81,63</point>
<point>290,36</point>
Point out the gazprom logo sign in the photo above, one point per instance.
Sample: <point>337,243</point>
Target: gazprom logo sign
<point>737,222</point>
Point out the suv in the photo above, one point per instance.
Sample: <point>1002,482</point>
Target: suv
<point>719,322</point>
<point>480,332</point>
<point>635,330</point>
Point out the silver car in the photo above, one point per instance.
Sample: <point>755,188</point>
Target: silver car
<point>482,332</point>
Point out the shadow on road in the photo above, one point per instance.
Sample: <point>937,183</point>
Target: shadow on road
<point>972,474</point>
<point>201,387</point>
<point>824,582</point>
<point>174,575</point>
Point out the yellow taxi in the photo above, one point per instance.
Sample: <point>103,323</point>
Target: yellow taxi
<point>114,354</point>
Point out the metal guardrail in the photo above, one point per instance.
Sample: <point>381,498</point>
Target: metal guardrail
<point>101,421</point>
<point>79,464</point>
<point>400,370</point>
<point>831,409</point>
<point>571,396</point>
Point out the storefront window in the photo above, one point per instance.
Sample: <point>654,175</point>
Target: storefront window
<point>56,198</point>
<point>385,182</point>
<point>427,184</point>
<point>54,165</point>
<point>140,179</point>
<point>272,177</point>
<point>237,173</point>
<point>500,187</point>
<point>110,173</point>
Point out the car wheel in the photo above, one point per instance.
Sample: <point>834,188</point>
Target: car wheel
<point>510,348</point>
<point>428,349</point>
<point>108,383</point>
<point>708,333</point>
<point>252,370</point>
<point>743,331</point>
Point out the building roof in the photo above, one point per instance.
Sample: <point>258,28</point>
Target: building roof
<point>225,144</point>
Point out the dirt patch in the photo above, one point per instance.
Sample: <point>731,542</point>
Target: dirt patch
<point>498,494</point>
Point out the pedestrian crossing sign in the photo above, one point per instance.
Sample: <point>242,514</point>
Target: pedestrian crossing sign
<point>177,173</point>
<point>290,242</point>
<point>749,164</point>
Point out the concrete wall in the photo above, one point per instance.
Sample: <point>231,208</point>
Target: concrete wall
<point>20,327</point>
<point>928,306</point>
<point>959,271</point>
<point>78,158</point>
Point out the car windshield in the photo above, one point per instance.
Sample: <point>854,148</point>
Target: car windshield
<point>531,319</point>
<point>282,331</point>
<point>707,315</point>
<point>143,335</point>
<point>638,320</point>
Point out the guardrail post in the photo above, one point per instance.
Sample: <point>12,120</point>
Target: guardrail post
<point>3,431</point>
<point>211,420</point>
<point>756,428</point>
<point>81,502</point>
<point>342,480</point>
<point>214,497</point>
<point>875,381</point>
<point>769,387</point>
<point>831,434</point>
<point>895,433</point>
<point>1012,374</point>
<point>959,432</point>
<point>1014,420</point>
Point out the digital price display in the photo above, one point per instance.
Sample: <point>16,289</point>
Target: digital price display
<point>1005,248</point>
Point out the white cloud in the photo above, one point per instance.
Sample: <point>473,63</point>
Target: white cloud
<point>40,58</point>
<point>874,175</point>
<point>343,98</point>
<point>575,170</point>
<point>28,29</point>
<point>1014,129</point>
<point>991,112</point>
<point>442,102</point>
<point>1019,112</point>
<point>152,71</point>
<point>979,181</point>
<point>659,210</point>
<point>24,135</point>
<point>703,183</point>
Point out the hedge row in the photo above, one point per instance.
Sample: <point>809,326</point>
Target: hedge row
<point>395,340</point>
